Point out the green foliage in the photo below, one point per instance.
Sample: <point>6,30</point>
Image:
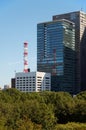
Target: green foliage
<point>79,114</point>
<point>13,93</point>
<point>81,96</point>
<point>63,105</point>
<point>41,111</point>
<point>27,124</point>
<point>71,126</point>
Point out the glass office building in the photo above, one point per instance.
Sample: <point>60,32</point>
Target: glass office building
<point>79,18</point>
<point>56,53</point>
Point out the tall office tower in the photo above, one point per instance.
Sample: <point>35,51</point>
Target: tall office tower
<point>56,53</point>
<point>79,18</point>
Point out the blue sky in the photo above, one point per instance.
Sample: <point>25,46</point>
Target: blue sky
<point>18,23</point>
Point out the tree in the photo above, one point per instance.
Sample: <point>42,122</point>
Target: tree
<point>64,106</point>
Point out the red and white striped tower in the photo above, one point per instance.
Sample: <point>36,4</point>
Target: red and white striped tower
<point>25,57</point>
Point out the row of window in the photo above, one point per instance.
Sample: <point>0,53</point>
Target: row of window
<point>25,77</point>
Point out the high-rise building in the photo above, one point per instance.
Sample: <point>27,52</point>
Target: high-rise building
<point>56,53</point>
<point>79,18</point>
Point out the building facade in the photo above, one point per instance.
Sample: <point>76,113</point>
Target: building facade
<point>56,53</point>
<point>12,82</point>
<point>79,18</point>
<point>6,86</point>
<point>33,81</point>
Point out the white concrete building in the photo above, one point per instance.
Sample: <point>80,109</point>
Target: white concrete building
<point>33,81</point>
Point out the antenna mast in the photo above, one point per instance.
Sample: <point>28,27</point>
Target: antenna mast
<point>25,57</point>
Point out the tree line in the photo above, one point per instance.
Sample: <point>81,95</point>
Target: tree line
<point>41,111</point>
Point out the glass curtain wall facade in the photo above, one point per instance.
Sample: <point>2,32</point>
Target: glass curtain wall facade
<point>56,53</point>
<point>79,18</point>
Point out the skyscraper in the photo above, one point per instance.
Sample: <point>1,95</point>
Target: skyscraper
<point>79,18</point>
<point>56,53</point>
